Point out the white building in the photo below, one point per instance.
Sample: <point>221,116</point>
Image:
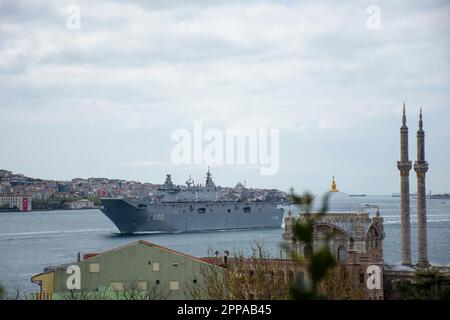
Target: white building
<point>80,204</point>
<point>22,203</point>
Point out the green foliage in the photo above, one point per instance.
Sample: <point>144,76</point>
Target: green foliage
<point>2,293</point>
<point>242,278</point>
<point>429,285</point>
<point>338,284</point>
<point>303,232</point>
<point>96,200</point>
<point>55,202</point>
<point>320,261</point>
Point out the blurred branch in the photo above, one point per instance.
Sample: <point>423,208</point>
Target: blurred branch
<point>321,260</point>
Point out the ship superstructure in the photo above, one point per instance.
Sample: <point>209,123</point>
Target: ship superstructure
<point>190,208</point>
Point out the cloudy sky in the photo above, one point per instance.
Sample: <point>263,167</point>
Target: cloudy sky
<point>104,99</point>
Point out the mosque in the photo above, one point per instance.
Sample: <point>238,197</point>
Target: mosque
<point>356,241</point>
<point>357,238</point>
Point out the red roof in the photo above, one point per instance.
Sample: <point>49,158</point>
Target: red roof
<point>89,255</point>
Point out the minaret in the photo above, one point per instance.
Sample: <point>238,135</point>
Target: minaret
<point>421,168</point>
<point>404,165</point>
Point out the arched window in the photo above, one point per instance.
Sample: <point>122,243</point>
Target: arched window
<point>342,254</point>
<point>307,251</point>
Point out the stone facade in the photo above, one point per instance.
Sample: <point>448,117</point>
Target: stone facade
<point>404,166</point>
<point>356,241</point>
<point>421,168</point>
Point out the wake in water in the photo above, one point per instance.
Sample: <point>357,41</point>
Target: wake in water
<point>52,232</point>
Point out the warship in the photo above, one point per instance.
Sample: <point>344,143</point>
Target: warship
<point>190,208</point>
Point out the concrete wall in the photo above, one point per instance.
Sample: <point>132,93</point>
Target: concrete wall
<point>135,263</point>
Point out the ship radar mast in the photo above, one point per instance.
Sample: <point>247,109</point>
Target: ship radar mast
<point>190,182</point>
<point>168,184</point>
<point>209,181</point>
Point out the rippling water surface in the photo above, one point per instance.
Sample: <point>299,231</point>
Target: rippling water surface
<point>31,241</point>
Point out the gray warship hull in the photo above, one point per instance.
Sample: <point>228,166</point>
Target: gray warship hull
<point>170,217</point>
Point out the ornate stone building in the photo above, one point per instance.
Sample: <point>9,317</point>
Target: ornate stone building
<point>355,238</point>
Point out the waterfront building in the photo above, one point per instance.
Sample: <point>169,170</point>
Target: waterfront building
<point>21,203</point>
<point>352,236</point>
<point>80,204</point>
<point>140,268</point>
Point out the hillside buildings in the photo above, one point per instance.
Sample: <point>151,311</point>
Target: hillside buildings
<point>18,185</point>
<point>19,203</point>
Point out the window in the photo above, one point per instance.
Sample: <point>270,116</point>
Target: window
<point>142,285</point>
<point>342,254</point>
<point>156,266</point>
<point>174,285</point>
<point>307,251</point>
<point>157,281</point>
<point>201,210</point>
<point>94,267</point>
<point>361,278</point>
<point>175,264</point>
<point>247,209</point>
<point>117,286</point>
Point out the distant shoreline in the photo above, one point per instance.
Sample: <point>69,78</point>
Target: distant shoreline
<point>45,210</point>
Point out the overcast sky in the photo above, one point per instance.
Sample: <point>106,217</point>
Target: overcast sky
<point>104,99</point>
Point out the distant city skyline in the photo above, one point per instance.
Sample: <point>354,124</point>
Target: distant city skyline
<point>104,99</point>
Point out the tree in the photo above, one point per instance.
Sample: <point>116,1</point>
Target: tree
<point>320,261</point>
<point>132,290</point>
<point>212,285</point>
<point>96,200</point>
<point>100,294</point>
<point>3,294</point>
<point>429,285</point>
<point>338,284</point>
<point>257,277</point>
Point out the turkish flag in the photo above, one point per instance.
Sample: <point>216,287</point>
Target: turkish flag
<point>25,204</point>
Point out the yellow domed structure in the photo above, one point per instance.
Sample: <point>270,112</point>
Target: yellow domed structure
<point>337,202</point>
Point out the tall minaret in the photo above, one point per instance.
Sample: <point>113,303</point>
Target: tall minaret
<point>404,165</point>
<point>421,168</point>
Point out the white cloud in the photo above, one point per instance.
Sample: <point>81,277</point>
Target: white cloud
<point>292,65</point>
